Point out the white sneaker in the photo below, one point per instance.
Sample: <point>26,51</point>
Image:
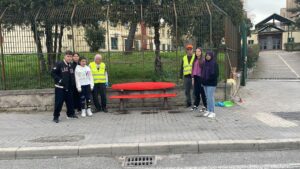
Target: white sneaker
<point>83,113</point>
<point>212,115</point>
<point>194,108</point>
<point>203,109</point>
<point>89,112</point>
<point>206,113</point>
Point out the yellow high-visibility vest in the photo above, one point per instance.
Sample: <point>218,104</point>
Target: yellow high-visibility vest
<point>187,67</point>
<point>98,75</point>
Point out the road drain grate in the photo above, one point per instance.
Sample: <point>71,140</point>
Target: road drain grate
<point>135,161</point>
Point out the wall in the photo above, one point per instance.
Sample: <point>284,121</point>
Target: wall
<point>42,100</point>
<point>296,35</point>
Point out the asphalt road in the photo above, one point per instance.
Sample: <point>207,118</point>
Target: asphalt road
<point>233,160</point>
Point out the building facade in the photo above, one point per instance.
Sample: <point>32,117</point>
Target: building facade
<point>273,33</point>
<point>21,40</point>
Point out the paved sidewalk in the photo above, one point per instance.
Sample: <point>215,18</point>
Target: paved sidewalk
<point>269,118</point>
<point>32,130</point>
<point>277,65</point>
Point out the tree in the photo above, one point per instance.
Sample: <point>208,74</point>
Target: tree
<point>50,21</point>
<point>234,9</point>
<point>94,36</point>
<point>29,9</point>
<point>296,11</point>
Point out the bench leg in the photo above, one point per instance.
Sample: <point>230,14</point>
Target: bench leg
<point>166,104</point>
<point>122,107</point>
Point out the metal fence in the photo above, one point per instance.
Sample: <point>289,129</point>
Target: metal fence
<point>138,42</point>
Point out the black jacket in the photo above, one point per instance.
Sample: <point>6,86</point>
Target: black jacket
<point>63,75</point>
<point>213,79</point>
<point>74,64</point>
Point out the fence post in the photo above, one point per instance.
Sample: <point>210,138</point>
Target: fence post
<point>73,37</point>
<point>36,41</point>
<point>142,38</point>
<point>107,34</point>
<point>244,53</point>
<point>210,25</point>
<point>2,52</point>
<point>176,37</point>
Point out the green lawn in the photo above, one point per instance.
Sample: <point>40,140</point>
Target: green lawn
<point>22,71</point>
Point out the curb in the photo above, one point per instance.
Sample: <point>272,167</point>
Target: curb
<point>157,148</point>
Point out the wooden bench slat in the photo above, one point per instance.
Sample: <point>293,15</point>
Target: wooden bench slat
<point>142,96</point>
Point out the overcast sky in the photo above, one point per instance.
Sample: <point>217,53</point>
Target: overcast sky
<point>260,9</point>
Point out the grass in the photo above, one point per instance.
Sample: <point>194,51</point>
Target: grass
<point>22,70</point>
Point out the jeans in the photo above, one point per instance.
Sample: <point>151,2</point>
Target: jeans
<point>199,92</point>
<point>85,96</point>
<point>210,95</point>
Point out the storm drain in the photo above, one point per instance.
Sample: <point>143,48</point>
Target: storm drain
<point>138,161</point>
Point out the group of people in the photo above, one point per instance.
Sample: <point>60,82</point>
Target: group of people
<point>201,73</point>
<point>75,82</point>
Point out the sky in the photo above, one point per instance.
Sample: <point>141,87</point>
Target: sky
<point>261,9</point>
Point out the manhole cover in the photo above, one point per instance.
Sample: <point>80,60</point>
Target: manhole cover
<point>138,161</point>
<point>51,139</point>
<point>289,115</point>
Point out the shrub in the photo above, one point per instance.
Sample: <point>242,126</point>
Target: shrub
<point>253,54</point>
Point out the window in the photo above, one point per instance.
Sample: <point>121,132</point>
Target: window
<point>114,43</point>
<point>163,32</point>
<point>151,46</point>
<point>137,45</point>
<point>70,37</point>
<point>102,46</point>
<point>291,40</point>
<point>250,42</point>
<point>164,47</point>
<point>150,32</point>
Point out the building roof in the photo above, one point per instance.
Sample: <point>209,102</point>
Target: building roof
<point>270,28</point>
<point>281,19</point>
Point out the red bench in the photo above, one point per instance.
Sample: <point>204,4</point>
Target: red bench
<point>143,86</point>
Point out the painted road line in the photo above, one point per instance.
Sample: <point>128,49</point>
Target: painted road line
<point>250,166</point>
<point>292,70</point>
<point>274,121</point>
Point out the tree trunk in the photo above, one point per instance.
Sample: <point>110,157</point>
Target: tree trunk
<point>38,43</point>
<point>49,45</point>
<point>158,63</point>
<point>60,41</point>
<point>130,37</point>
<point>55,42</point>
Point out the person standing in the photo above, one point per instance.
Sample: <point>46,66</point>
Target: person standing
<point>76,96</point>
<point>210,74</point>
<point>186,72</point>
<point>199,93</point>
<point>63,75</point>
<point>99,72</point>
<point>84,85</point>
